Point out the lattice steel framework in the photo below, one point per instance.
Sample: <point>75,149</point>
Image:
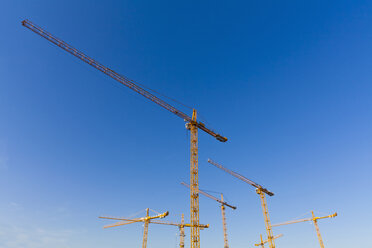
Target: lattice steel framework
<point>193,124</point>
<point>194,183</point>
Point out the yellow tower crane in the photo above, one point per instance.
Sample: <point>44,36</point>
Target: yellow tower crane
<point>259,190</point>
<point>314,220</point>
<point>191,122</point>
<point>223,204</point>
<point>146,220</point>
<point>263,242</point>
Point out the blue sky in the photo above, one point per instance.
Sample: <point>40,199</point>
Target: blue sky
<point>289,83</point>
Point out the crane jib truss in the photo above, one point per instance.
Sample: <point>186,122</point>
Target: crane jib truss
<point>120,78</point>
<point>243,178</point>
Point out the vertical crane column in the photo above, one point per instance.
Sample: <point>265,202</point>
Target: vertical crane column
<point>194,184</point>
<point>267,219</point>
<point>182,232</point>
<point>317,230</point>
<point>145,229</point>
<point>226,245</point>
<point>262,242</point>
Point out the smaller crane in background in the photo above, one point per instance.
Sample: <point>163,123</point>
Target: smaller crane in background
<point>263,242</point>
<point>259,190</point>
<point>223,204</point>
<point>181,226</point>
<point>314,220</point>
<point>149,219</point>
<point>146,220</point>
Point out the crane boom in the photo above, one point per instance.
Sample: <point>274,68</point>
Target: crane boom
<point>291,222</point>
<point>237,175</point>
<point>120,78</point>
<point>125,221</point>
<point>303,220</point>
<point>210,196</point>
<point>202,226</point>
<point>146,221</point>
<point>151,221</point>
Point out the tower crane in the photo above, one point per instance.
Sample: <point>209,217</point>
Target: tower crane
<point>263,242</point>
<point>181,226</point>
<point>314,220</point>
<point>146,220</point>
<point>261,191</point>
<point>223,204</point>
<point>192,123</point>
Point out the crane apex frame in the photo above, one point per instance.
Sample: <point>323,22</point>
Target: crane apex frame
<point>192,124</point>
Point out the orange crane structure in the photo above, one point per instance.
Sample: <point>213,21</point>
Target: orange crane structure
<point>146,220</point>
<point>314,220</point>
<point>191,121</point>
<point>263,242</point>
<point>259,190</point>
<point>223,204</point>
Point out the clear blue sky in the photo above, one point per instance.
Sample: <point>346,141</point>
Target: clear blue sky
<point>288,82</point>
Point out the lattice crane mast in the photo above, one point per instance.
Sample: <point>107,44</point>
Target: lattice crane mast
<point>261,191</point>
<point>191,122</point>
<point>223,204</point>
<point>146,220</point>
<point>263,242</point>
<point>314,220</point>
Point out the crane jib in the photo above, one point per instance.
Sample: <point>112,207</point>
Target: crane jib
<point>241,177</point>
<point>121,79</point>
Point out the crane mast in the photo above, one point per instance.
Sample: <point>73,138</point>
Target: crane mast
<point>182,232</point>
<point>315,221</point>
<point>226,244</point>
<point>145,229</point>
<point>192,124</point>
<point>261,191</point>
<point>265,211</point>
<point>194,182</point>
